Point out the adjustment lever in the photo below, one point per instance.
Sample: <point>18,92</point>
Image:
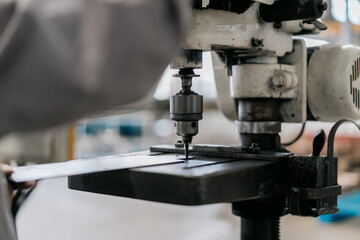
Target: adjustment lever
<point>319,25</point>
<point>318,142</point>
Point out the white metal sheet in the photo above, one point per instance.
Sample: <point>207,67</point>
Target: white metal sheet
<point>83,166</point>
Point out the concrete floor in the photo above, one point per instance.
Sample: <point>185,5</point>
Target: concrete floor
<point>57,213</point>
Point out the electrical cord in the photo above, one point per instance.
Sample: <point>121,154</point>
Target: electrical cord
<point>297,137</point>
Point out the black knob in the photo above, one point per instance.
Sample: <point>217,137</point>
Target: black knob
<point>318,142</point>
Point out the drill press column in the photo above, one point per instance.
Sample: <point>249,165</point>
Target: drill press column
<point>259,122</point>
<point>259,85</point>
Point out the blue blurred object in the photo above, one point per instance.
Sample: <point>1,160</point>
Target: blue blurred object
<point>130,130</point>
<point>349,206</point>
<point>95,128</point>
<point>127,127</point>
<point>130,127</point>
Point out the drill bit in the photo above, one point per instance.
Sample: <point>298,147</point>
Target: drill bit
<point>186,146</point>
<point>186,140</point>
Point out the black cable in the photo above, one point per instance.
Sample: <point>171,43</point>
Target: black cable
<point>297,137</point>
<point>19,199</point>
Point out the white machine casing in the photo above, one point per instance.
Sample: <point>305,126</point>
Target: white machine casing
<point>334,83</point>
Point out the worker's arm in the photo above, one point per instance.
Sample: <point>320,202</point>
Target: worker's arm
<point>12,186</point>
<point>64,59</point>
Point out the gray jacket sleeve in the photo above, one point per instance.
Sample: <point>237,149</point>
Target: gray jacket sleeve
<point>7,229</point>
<point>64,59</point>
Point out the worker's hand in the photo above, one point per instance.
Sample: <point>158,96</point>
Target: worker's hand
<point>7,170</point>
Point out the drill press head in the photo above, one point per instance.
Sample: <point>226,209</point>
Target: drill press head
<point>266,67</point>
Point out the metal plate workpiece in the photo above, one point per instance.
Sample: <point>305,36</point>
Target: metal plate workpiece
<point>222,151</point>
<point>203,180</point>
<point>83,166</point>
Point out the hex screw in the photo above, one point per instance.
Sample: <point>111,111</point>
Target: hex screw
<point>278,80</point>
<point>277,25</point>
<point>257,42</point>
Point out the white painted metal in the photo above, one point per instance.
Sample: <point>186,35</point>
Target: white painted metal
<point>224,100</point>
<point>291,110</point>
<point>334,83</point>
<point>215,29</point>
<point>295,110</point>
<point>258,81</point>
<point>269,2</point>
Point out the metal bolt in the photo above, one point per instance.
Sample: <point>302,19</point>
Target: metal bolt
<point>254,148</point>
<point>278,80</point>
<point>257,42</point>
<point>254,145</point>
<point>277,25</point>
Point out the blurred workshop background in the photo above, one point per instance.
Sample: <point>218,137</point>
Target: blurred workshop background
<point>55,212</point>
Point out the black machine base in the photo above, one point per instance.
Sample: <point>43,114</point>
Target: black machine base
<point>225,174</point>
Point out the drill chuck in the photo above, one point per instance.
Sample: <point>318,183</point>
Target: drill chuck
<point>186,107</point>
<point>186,110</point>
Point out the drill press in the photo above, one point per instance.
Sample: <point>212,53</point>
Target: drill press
<point>273,79</point>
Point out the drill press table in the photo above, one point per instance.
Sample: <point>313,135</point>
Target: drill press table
<point>217,174</point>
